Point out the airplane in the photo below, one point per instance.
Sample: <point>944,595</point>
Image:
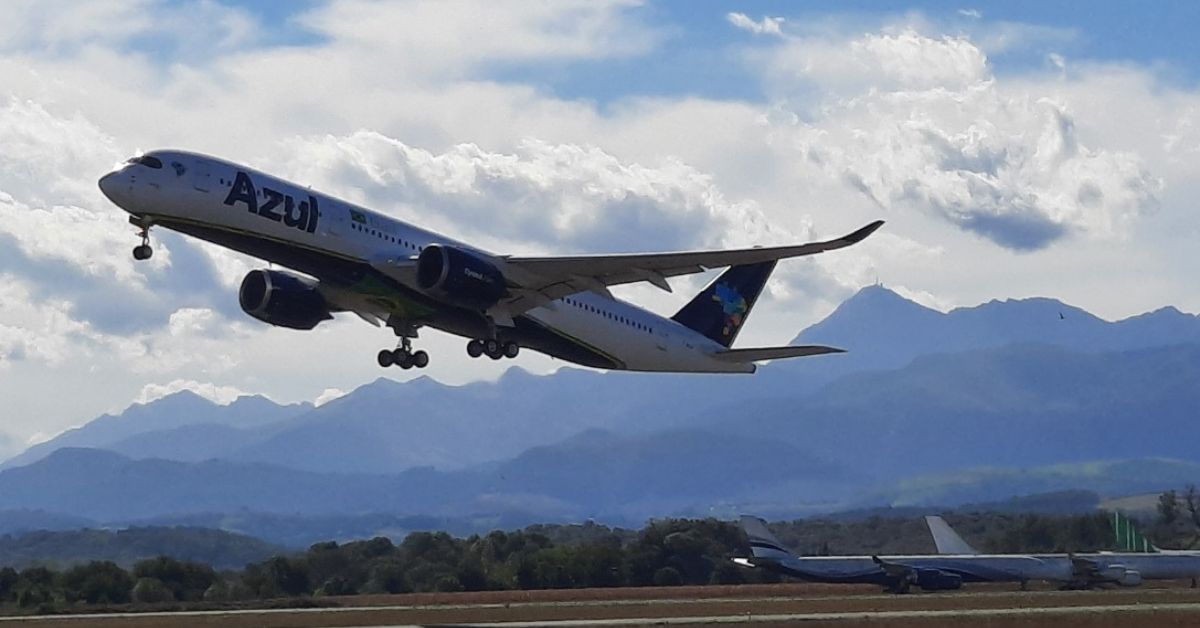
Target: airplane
<point>1094,568</point>
<point>938,572</point>
<point>348,258</point>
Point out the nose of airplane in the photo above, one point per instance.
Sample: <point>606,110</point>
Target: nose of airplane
<point>115,185</point>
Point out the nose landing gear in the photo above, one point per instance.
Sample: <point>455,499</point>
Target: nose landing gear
<point>143,251</point>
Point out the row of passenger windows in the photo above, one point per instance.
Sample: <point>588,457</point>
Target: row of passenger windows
<point>383,236</point>
<point>609,315</point>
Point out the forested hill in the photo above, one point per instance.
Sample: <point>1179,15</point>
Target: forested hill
<point>220,549</point>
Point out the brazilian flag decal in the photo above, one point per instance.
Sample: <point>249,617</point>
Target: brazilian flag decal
<point>358,217</point>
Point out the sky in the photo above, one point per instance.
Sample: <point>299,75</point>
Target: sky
<point>1018,149</point>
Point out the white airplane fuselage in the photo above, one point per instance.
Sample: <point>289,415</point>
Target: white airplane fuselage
<point>341,244</point>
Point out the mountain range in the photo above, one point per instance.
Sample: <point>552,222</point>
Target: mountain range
<point>976,404</point>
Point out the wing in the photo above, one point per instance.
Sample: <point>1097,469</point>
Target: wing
<point>538,280</point>
<point>894,570</point>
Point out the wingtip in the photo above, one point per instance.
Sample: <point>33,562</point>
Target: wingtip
<point>861,234</point>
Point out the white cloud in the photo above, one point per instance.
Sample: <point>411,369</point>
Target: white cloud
<point>192,321</point>
<point>767,26</point>
<point>436,38</point>
<point>974,14</point>
<point>925,126</point>
<point>222,395</point>
<point>327,395</point>
<point>561,197</point>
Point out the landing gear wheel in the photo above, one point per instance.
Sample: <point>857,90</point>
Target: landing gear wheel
<point>385,358</point>
<point>491,346</point>
<point>420,359</point>
<point>405,363</point>
<point>511,349</point>
<point>142,252</point>
<point>475,348</point>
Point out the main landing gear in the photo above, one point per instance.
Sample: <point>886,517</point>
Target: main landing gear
<point>493,348</point>
<point>403,356</point>
<point>143,251</point>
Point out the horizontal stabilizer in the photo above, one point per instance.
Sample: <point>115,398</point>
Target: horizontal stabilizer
<point>757,354</point>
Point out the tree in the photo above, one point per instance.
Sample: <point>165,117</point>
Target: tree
<point>1168,508</point>
<point>97,582</point>
<point>185,580</point>
<point>667,577</point>
<point>152,591</point>
<point>1192,501</point>
<point>8,583</point>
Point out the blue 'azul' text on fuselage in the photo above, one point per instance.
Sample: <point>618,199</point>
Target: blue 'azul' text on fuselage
<point>302,215</point>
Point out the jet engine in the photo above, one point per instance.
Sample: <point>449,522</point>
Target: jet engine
<point>459,277</point>
<point>937,580</point>
<point>283,299</point>
<point>1122,575</point>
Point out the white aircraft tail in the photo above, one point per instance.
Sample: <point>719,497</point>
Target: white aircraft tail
<point>763,544</point>
<point>946,539</point>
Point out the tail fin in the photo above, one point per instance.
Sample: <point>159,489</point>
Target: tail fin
<point>946,539</point>
<point>763,544</point>
<point>720,310</point>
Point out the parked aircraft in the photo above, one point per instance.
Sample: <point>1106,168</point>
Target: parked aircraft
<point>1093,568</point>
<point>897,573</point>
<point>392,273</point>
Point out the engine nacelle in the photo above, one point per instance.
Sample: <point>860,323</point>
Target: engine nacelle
<point>283,299</point>
<point>937,580</point>
<point>1122,575</point>
<point>459,277</point>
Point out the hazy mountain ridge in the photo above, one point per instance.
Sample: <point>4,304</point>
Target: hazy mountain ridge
<point>178,410</point>
<point>921,396</point>
<point>1013,406</point>
<point>371,430</point>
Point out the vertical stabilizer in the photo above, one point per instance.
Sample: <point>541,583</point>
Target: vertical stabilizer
<point>946,539</point>
<point>763,544</point>
<point>720,310</point>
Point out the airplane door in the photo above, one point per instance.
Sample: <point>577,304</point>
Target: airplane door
<point>333,219</point>
<point>201,176</point>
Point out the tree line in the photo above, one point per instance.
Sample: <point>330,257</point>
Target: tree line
<point>665,553</point>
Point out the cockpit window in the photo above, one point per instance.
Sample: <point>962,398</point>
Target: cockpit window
<point>148,161</point>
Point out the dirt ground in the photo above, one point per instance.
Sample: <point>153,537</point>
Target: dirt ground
<point>763,605</point>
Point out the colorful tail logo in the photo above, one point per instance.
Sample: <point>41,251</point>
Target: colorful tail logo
<point>733,305</point>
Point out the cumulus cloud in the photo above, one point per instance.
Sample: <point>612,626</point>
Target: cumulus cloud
<point>327,395</point>
<point>558,197</point>
<point>58,232</point>
<point>925,126</point>
<point>433,39</point>
<point>222,395</point>
<point>766,26</point>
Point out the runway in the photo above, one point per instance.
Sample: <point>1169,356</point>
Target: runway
<point>811,605</point>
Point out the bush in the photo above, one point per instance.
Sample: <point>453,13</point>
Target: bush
<point>152,591</point>
<point>667,577</point>
<point>98,582</point>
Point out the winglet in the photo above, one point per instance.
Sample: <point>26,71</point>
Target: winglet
<point>861,234</point>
